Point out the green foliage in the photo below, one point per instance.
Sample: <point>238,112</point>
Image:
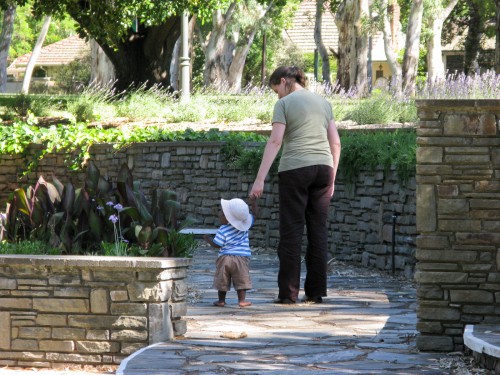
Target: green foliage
<point>96,216</point>
<point>237,156</point>
<point>72,77</point>
<point>361,151</point>
<point>27,28</point>
<point>28,248</point>
<point>382,108</point>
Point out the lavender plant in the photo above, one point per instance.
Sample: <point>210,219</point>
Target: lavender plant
<point>461,86</point>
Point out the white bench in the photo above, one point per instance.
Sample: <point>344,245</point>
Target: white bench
<point>198,231</point>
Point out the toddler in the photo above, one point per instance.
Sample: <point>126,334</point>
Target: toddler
<point>234,250</point>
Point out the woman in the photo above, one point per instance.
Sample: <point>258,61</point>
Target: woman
<point>303,122</point>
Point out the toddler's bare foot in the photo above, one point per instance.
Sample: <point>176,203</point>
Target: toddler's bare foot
<point>219,303</point>
<point>244,303</point>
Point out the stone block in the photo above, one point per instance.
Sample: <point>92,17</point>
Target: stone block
<point>57,346</point>
<point>160,323</point>
<point>100,321</point>
<point>487,186</point>
<point>429,327</point>
<point>429,155</point>
<point>76,292</point>
<point>5,330</point>
<point>469,124</point>
<point>478,238</point>
<point>178,310</point>
<point>433,242</point>
<point>129,308</point>
<point>438,313</point>
<point>52,320</point>
<point>180,290</point>
<point>61,305</point>
<point>97,347</point>
<point>460,225</point>
<point>180,327</point>
<point>34,332</point>
<point>6,283</point>
<point>118,295</point>
<point>28,345</point>
<point>440,277</point>
<point>452,206</point>
<point>99,301</point>
<point>152,292</point>
<point>447,190</point>
<point>129,348</point>
<point>426,208</point>
<point>476,296</point>
<point>73,358</point>
<point>17,303</point>
<point>65,333</point>
<point>98,334</point>
<point>467,159</point>
<point>165,160</point>
<point>129,335</point>
<point>434,343</point>
<point>428,292</point>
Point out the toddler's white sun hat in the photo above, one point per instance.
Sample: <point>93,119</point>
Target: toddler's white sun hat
<point>237,213</point>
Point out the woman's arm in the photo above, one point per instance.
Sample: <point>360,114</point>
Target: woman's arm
<point>273,146</point>
<point>335,147</point>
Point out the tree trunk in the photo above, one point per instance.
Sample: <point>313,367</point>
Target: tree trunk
<point>144,57</point>
<point>34,55</point>
<point>473,39</point>
<point>435,66</point>
<point>103,72</point>
<point>5,39</point>
<point>318,39</point>
<point>225,56</point>
<point>497,44</point>
<point>344,19</point>
<point>359,52</point>
<point>412,49</point>
<point>219,50</point>
<point>388,47</point>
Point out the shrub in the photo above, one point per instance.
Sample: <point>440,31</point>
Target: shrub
<point>88,219</point>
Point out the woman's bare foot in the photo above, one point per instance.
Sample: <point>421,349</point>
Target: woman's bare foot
<point>219,303</point>
<point>244,303</point>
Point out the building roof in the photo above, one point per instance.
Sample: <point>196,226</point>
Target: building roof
<point>58,53</point>
<point>302,31</point>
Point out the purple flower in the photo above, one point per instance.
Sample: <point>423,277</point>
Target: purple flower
<point>118,207</point>
<point>110,203</point>
<point>113,219</point>
<point>100,208</point>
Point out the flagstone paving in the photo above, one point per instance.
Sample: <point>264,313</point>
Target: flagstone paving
<point>366,325</point>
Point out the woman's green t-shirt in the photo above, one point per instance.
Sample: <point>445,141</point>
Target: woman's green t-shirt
<point>306,116</point>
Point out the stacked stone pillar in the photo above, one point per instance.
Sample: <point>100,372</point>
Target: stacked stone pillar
<point>458,219</point>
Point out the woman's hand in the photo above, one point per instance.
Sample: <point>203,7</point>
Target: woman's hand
<point>257,189</point>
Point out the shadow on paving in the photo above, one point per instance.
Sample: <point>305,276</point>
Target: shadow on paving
<point>366,325</point>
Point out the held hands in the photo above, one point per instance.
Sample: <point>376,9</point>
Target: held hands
<point>257,189</point>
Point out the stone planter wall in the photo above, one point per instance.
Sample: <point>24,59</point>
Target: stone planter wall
<point>88,310</point>
<point>458,219</point>
<point>360,225</point>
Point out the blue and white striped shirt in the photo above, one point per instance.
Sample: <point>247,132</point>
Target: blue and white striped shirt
<point>233,241</point>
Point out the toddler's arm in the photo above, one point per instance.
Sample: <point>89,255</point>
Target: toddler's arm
<point>210,241</point>
<point>255,208</point>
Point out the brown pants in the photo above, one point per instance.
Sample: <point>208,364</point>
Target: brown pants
<point>233,268</point>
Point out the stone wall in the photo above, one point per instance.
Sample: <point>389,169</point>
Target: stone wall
<point>361,215</point>
<point>89,310</point>
<point>458,212</point>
